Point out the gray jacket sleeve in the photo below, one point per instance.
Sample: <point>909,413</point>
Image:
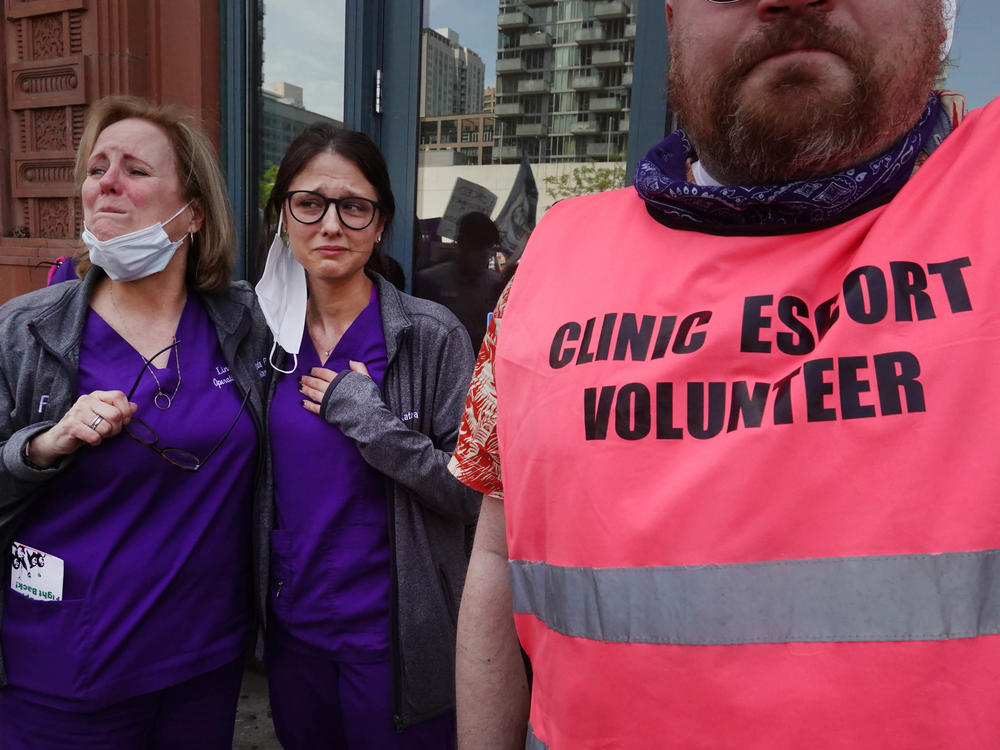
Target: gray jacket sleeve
<point>22,366</point>
<point>20,483</point>
<point>416,460</point>
<point>13,468</point>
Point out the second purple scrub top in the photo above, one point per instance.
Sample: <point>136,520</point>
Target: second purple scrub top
<point>330,558</point>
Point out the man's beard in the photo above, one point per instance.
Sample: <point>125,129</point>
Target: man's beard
<point>802,124</point>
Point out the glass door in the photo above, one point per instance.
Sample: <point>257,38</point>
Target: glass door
<point>522,103</point>
<point>301,82</point>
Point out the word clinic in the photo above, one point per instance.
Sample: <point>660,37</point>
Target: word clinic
<point>704,409</point>
<point>632,341</point>
<point>907,292</point>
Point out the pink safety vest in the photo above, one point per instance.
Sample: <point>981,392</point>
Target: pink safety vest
<point>752,483</point>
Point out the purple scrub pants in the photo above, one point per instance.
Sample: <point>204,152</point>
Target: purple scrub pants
<point>198,713</point>
<point>321,704</point>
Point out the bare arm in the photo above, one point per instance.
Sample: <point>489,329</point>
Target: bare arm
<point>490,681</point>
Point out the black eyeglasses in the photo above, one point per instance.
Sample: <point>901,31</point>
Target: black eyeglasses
<point>145,435</point>
<point>353,211</point>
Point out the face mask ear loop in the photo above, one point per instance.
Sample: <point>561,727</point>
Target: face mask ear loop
<point>179,212</point>
<point>270,361</point>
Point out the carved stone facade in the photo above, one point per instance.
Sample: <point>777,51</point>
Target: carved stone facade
<point>61,55</point>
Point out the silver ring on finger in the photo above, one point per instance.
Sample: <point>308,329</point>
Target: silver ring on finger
<point>95,422</point>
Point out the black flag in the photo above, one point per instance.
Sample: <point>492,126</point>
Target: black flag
<point>517,217</point>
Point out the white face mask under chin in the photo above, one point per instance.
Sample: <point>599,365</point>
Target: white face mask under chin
<point>282,295</point>
<point>135,255</point>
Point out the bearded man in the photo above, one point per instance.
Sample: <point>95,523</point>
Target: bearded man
<point>740,485</point>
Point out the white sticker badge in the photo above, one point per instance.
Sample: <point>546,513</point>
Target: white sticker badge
<point>36,574</point>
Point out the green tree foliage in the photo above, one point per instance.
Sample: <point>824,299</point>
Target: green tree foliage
<point>584,179</point>
<point>264,185</point>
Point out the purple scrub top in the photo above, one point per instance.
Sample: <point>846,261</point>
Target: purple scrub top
<point>157,560</point>
<point>330,565</point>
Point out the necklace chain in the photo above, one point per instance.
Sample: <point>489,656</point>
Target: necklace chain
<point>312,332</point>
<point>168,400</point>
<point>161,396</point>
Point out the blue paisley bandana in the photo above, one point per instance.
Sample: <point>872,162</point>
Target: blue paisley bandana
<point>661,179</point>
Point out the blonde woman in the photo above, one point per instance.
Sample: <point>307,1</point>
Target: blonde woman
<point>129,422</point>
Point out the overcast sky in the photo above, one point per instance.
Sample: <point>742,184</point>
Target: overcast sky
<point>976,52</point>
<point>304,45</point>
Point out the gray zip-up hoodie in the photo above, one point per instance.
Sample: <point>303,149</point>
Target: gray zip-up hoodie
<point>40,336</point>
<point>407,432</point>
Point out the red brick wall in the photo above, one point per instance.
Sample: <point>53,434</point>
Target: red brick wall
<point>58,56</point>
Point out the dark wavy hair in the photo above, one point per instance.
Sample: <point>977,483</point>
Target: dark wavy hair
<point>352,145</point>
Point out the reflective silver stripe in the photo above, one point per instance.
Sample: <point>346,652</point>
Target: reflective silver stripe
<point>533,743</point>
<point>886,598</point>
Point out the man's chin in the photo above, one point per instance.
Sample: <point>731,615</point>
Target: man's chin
<point>793,129</point>
<point>826,82</point>
<point>797,103</point>
<point>814,63</point>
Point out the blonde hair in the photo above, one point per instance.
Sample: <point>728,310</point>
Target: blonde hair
<point>212,252</point>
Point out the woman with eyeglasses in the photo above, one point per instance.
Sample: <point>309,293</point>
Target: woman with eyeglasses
<point>367,537</point>
<point>129,418</point>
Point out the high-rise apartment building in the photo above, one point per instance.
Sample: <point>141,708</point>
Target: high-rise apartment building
<point>282,117</point>
<point>451,76</point>
<point>564,79</point>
